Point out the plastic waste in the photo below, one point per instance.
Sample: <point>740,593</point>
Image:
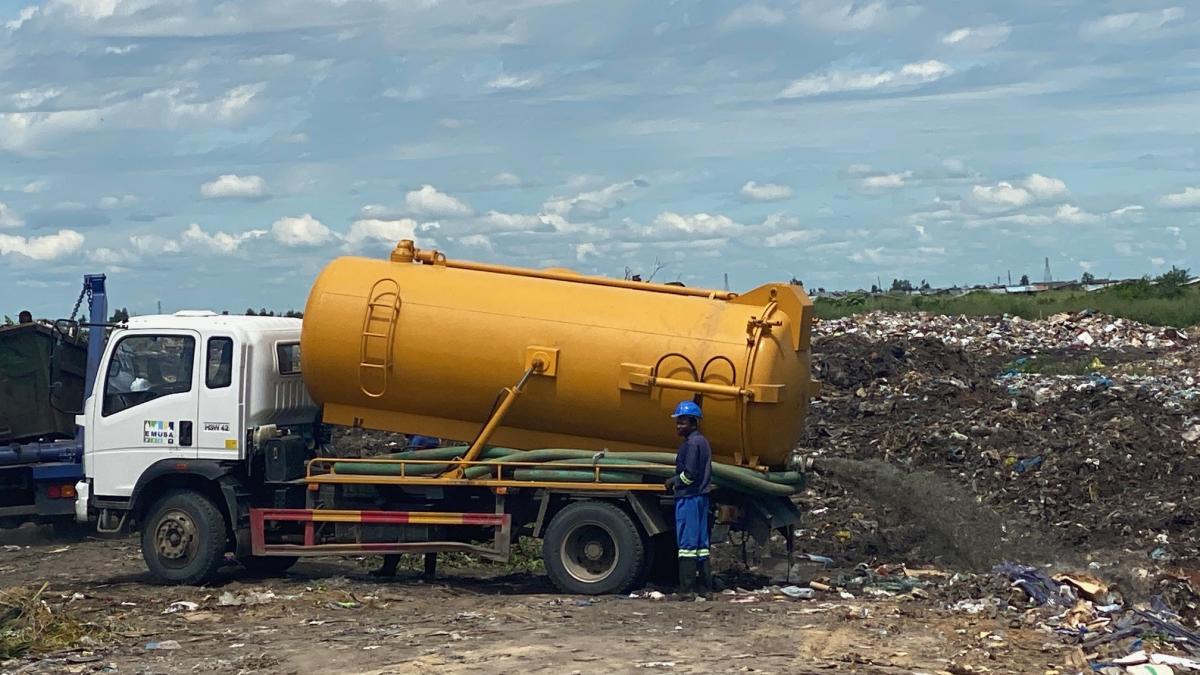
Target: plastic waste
<point>798,593</point>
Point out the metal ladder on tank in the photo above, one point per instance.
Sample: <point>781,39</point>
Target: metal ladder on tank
<point>378,336</point>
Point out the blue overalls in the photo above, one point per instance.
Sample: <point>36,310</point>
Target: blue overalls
<point>693,468</point>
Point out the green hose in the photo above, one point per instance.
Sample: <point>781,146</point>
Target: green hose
<point>741,479</point>
<point>575,476</point>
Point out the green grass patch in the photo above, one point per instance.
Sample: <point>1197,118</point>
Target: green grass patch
<point>1138,301</point>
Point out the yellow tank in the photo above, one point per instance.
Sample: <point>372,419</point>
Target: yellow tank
<point>422,344</point>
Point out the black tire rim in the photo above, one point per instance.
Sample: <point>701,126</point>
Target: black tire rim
<point>589,552</point>
<point>176,539</point>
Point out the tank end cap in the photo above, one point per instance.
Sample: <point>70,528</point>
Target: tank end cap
<point>405,251</point>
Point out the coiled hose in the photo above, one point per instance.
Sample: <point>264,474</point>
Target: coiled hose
<point>635,467</point>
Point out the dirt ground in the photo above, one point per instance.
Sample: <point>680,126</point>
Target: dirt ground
<point>329,615</point>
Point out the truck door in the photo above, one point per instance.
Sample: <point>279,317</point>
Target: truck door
<point>219,427</point>
<point>148,409</point>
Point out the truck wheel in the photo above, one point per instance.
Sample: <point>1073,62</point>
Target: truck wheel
<point>268,565</point>
<point>183,539</point>
<point>593,548</point>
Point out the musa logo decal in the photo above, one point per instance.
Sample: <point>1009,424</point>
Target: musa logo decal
<point>158,432</point>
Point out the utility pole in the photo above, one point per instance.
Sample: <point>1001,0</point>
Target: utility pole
<point>160,306</point>
<point>727,281</point>
<point>1010,277</point>
<point>1048,278</point>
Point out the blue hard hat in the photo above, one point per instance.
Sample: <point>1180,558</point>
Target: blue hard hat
<point>688,409</point>
<point>418,441</point>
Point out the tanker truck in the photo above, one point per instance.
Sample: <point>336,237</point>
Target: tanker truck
<point>558,385</point>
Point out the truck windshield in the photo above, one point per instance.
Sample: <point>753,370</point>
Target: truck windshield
<point>145,367</point>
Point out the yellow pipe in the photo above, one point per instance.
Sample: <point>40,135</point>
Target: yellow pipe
<point>406,252</point>
<point>700,387</point>
<point>510,397</point>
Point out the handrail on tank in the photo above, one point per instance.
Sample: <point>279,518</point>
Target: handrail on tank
<point>406,252</point>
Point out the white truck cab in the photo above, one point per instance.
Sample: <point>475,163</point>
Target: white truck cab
<point>192,386</point>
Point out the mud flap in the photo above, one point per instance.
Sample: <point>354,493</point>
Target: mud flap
<point>764,514</point>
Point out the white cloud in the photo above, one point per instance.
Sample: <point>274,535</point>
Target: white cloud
<point>476,240</point>
<point>1131,211</point>
<point>9,217</point>
<point>302,231</point>
<point>868,255</point>
<point>218,242</point>
<point>790,238</point>
<point>374,230</point>
<point>35,186</point>
<point>1005,195</point>
<point>1189,198</point>
<point>1069,213</point>
<point>34,98</point>
<point>980,37</point>
<point>111,257</point>
<point>514,82</point>
<point>120,51</point>
<point>858,170</point>
<point>1123,248</point>
<point>1042,187</point>
<point>48,247</point>
<point>153,244</point>
<point>428,201</point>
<point>26,14</point>
<point>25,132</point>
<point>765,192</point>
<point>846,16</point>
<point>911,74</point>
<point>506,179</point>
<point>1158,262</point>
<point>752,14</point>
<point>232,186</point>
<point>234,105</point>
<point>114,202</point>
<point>695,223</point>
<point>585,251</point>
<point>1002,194</point>
<point>514,222</point>
<point>886,181</point>
<point>1130,24</point>
<point>593,204</point>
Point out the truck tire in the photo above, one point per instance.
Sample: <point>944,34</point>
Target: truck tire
<point>593,548</point>
<point>184,538</point>
<point>268,565</point>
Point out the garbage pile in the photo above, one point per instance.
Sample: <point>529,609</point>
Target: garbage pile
<point>1101,459</point>
<point>1011,334</point>
<point>1108,634</point>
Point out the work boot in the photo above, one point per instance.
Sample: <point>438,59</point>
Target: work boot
<point>687,579</point>
<point>704,578</point>
<point>388,569</point>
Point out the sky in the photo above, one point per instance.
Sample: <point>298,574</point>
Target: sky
<point>218,155</point>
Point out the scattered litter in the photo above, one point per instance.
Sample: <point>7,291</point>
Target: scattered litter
<point>228,599</point>
<point>797,593</point>
<point>181,606</point>
<point>656,664</point>
<point>63,549</point>
<point>11,548</point>
<point>164,645</point>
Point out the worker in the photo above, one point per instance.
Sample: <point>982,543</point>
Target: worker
<point>25,317</point>
<point>419,442</point>
<point>690,484</point>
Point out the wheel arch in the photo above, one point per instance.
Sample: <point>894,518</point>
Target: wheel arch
<point>210,478</point>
